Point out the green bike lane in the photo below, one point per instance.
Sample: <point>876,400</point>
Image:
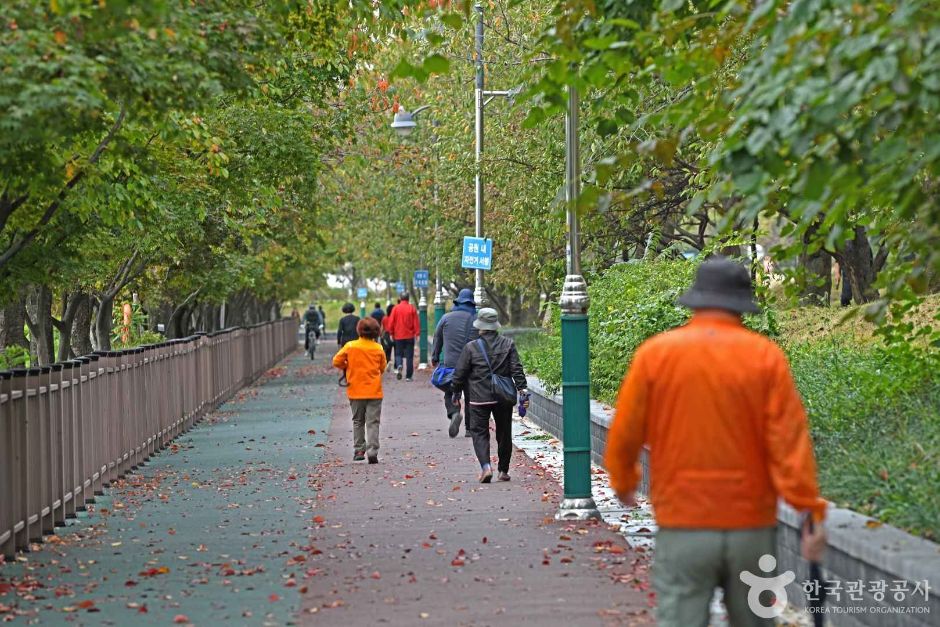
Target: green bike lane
<point>212,530</point>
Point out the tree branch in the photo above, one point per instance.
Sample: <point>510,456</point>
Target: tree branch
<point>21,241</point>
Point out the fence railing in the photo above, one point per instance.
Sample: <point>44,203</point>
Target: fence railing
<point>70,429</point>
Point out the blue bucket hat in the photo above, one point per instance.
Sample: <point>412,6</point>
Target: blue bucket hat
<point>465,297</point>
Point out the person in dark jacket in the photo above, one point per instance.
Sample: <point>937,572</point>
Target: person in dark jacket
<point>346,332</point>
<point>312,322</point>
<point>387,342</point>
<point>378,313</point>
<point>473,375</point>
<point>453,332</point>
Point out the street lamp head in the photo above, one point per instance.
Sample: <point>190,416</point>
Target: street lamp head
<point>403,123</point>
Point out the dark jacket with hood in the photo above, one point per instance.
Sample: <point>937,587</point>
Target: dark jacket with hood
<point>453,332</point>
<point>472,373</point>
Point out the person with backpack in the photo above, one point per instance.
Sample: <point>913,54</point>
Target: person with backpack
<point>312,325</point>
<point>490,370</point>
<point>453,332</point>
<point>363,362</point>
<point>346,331</point>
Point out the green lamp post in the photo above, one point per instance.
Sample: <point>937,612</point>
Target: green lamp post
<point>578,503</point>
<point>423,319</point>
<point>438,302</point>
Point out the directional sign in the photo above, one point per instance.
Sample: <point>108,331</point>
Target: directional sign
<point>362,292</point>
<point>421,278</point>
<point>477,253</point>
<point>400,287</point>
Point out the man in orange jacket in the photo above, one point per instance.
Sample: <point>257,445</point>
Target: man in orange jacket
<point>727,435</point>
<point>404,326</point>
<point>363,362</point>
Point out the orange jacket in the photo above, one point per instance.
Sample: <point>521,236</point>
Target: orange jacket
<point>404,323</point>
<point>364,362</point>
<point>726,429</point>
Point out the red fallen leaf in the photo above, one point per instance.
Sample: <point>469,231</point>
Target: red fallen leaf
<point>302,589</point>
<point>409,476</point>
<point>546,562</point>
<point>566,560</point>
<point>376,575</point>
<point>457,561</point>
<point>130,583</point>
<point>180,619</point>
<point>142,609</point>
<point>319,444</point>
<point>292,477</point>
<point>86,604</point>
<point>290,583</point>
<point>433,536</point>
<point>5,588</point>
<point>318,519</point>
<point>274,598</point>
<point>426,545</point>
<point>616,549</point>
<point>485,540</point>
<point>312,431</point>
<point>461,553</point>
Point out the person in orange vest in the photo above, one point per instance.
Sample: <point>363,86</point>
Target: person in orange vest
<point>404,326</point>
<point>727,435</point>
<point>363,362</point>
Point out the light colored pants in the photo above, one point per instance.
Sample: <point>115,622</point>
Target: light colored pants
<point>690,563</point>
<point>366,416</point>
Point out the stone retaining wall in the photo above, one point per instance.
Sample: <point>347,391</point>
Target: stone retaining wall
<point>859,549</point>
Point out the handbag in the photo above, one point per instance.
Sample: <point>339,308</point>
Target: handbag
<point>503,387</point>
<point>442,377</point>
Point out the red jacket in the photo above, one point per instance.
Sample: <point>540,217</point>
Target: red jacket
<point>403,323</point>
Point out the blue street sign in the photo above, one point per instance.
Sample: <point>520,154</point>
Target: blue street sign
<point>362,292</point>
<point>421,278</point>
<point>477,253</point>
<point>400,287</point>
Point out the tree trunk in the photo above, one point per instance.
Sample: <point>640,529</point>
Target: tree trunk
<point>858,263</point>
<point>13,323</point>
<point>81,328</point>
<point>103,322</point>
<point>70,305</point>
<point>39,320</point>
<point>817,266</point>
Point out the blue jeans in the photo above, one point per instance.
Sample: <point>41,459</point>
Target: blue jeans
<point>405,351</point>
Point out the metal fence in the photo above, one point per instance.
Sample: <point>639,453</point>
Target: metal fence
<point>68,430</point>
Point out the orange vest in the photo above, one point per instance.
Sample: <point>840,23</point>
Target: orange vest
<point>364,362</point>
<point>725,426</point>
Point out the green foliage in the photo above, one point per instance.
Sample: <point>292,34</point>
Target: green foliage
<point>14,357</point>
<point>875,417</point>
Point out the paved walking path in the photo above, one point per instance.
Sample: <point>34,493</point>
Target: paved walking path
<point>259,517</point>
<point>417,540</point>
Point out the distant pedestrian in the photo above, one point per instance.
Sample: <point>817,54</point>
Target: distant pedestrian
<point>346,331</point>
<point>378,313</point>
<point>453,332</point>
<point>312,326</point>
<point>322,315</point>
<point>727,435</point>
<point>363,363</point>
<point>387,342</point>
<point>490,354</point>
<point>404,327</point>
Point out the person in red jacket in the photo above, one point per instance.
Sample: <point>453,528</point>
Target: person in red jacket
<point>404,326</point>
